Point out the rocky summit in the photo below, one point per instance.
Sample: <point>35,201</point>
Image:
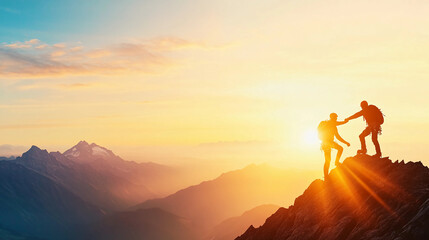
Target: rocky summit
<point>364,198</point>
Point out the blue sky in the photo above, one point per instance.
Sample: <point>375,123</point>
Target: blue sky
<point>77,20</point>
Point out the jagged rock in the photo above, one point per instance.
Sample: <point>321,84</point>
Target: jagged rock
<point>365,198</point>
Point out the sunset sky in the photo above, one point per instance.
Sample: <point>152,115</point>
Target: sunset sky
<point>222,83</point>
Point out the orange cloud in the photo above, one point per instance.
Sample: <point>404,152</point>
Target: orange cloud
<point>58,53</point>
<point>42,46</point>
<point>32,41</point>
<point>18,45</point>
<point>74,85</point>
<point>75,49</point>
<point>98,53</point>
<point>60,45</point>
<point>26,44</point>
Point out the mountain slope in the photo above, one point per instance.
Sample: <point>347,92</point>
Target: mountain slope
<point>35,205</point>
<point>6,234</point>
<point>153,224</point>
<point>364,198</point>
<point>211,202</point>
<point>233,227</point>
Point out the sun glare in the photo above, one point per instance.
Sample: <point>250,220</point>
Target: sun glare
<point>310,137</point>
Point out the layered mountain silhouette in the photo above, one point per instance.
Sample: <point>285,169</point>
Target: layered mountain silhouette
<point>234,226</point>
<point>100,177</point>
<point>105,189</point>
<point>88,192</point>
<point>7,158</point>
<point>365,198</point>
<point>207,204</point>
<point>153,224</point>
<point>158,179</point>
<point>57,196</point>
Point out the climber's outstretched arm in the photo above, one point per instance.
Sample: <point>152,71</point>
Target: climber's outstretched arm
<point>341,123</point>
<point>356,115</point>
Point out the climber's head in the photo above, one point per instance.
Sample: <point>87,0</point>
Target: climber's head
<point>364,104</point>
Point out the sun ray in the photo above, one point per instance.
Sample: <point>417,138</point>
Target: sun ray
<point>387,186</point>
<point>347,186</point>
<point>371,192</point>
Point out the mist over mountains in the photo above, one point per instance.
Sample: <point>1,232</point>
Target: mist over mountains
<point>88,192</point>
<point>92,183</point>
<point>232,227</point>
<point>210,202</point>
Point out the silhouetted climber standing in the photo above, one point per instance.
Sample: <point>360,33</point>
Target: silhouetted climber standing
<point>327,132</point>
<point>374,118</point>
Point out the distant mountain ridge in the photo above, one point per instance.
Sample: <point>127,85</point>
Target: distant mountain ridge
<point>156,178</point>
<point>151,224</point>
<point>232,227</point>
<point>105,189</point>
<point>365,198</point>
<point>90,183</point>
<point>7,158</point>
<point>56,196</point>
<point>210,202</point>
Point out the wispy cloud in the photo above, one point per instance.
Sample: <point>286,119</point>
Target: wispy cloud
<point>23,86</point>
<point>33,58</point>
<point>30,126</point>
<point>60,45</point>
<point>42,46</point>
<point>75,85</point>
<point>32,41</point>
<point>173,43</point>
<point>18,45</point>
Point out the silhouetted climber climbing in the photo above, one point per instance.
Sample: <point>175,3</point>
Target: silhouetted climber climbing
<point>327,132</point>
<point>374,118</point>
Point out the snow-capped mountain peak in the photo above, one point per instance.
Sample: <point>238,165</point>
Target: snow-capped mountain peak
<point>85,151</point>
<point>99,151</point>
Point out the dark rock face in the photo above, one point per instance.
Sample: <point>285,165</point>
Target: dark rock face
<point>364,198</point>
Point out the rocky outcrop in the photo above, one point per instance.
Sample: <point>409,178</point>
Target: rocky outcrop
<point>364,198</point>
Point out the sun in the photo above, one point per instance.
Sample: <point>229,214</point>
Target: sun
<point>310,137</point>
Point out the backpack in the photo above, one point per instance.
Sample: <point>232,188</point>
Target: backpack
<point>323,130</point>
<point>374,115</point>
